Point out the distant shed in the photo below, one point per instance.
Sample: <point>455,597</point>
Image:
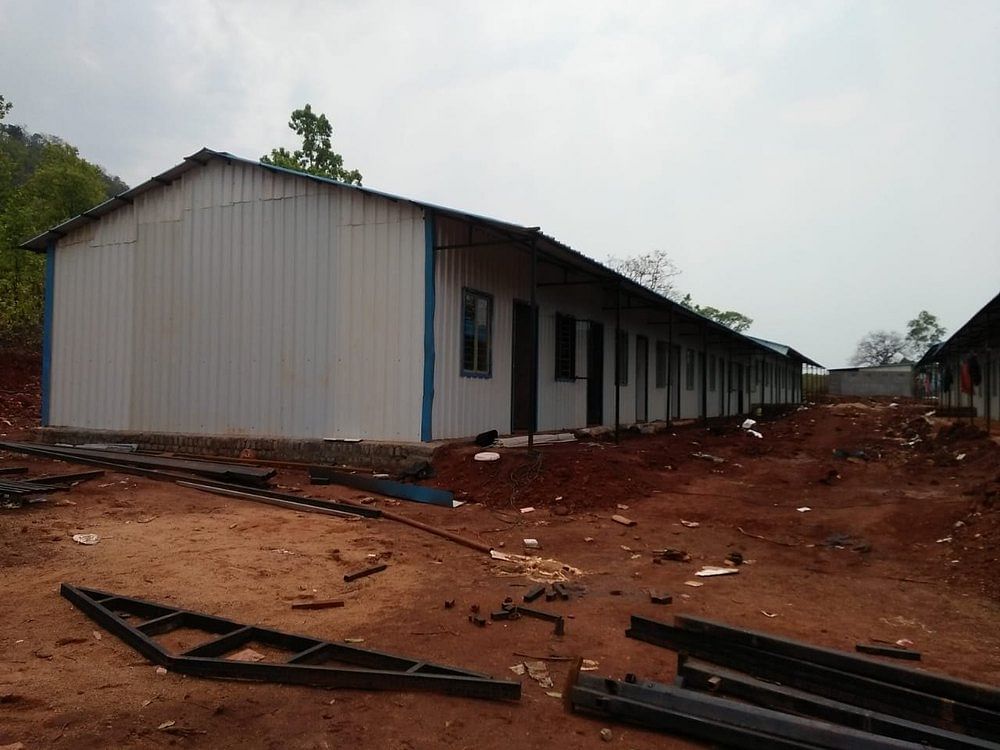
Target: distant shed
<point>878,380</point>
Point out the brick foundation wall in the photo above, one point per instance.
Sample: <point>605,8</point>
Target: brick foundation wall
<point>367,454</point>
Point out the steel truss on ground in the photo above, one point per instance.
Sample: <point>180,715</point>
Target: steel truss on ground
<point>137,622</point>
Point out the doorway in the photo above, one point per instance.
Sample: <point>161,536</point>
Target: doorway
<point>595,374</point>
<point>740,389</point>
<point>521,417</point>
<point>641,378</point>
<point>675,380</point>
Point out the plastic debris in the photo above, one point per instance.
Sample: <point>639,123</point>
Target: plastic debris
<point>86,538</point>
<point>708,457</point>
<point>539,672</point>
<point>487,456</point>
<point>713,570</point>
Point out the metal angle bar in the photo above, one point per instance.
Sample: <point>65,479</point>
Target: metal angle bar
<point>76,476</point>
<point>670,708</point>
<point>822,680</point>
<point>102,607</point>
<point>698,675</point>
<point>264,492</point>
<point>984,696</point>
<point>314,506</point>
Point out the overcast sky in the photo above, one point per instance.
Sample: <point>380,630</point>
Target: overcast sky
<point>825,168</point>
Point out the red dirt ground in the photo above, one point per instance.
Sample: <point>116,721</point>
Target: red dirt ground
<point>64,683</point>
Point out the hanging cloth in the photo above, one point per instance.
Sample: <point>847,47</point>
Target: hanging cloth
<point>965,377</point>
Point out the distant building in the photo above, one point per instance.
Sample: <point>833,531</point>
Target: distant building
<point>877,380</point>
<point>226,297</point>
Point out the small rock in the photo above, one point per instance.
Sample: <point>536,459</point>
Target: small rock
<point>606,735</point>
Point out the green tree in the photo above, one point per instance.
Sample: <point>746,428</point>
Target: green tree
<point>316,155</point>
<point>43,181</point>
<point>923,332</point>
<point>729,318</point>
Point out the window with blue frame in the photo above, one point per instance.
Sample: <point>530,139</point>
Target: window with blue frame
<point>477,334</point>
<point>565,347</point>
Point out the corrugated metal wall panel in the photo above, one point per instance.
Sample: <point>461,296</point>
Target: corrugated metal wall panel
<point>464,406</point>
<point>93,334</point>
<point>248,302</point>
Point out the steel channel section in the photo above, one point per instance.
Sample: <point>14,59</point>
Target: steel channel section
<point>377,670</point>
<point>983,696</point>
<point>668,708</point>
<point>831,683</point>
<point>698,675</point>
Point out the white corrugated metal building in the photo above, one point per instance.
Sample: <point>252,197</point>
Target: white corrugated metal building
<point>968,366</point>
<point>228,297</point>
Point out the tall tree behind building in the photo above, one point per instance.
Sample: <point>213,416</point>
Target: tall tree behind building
<point>43,181</point>
<point>316,155</point>
<point>889,347</point>
<point>656,271</point>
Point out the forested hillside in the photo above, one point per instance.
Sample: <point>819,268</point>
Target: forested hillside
<point>43,180</point>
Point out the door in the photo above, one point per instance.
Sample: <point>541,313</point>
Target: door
<point>641,378</point>
<point>595,374</point>
<point>521,417</point>
<point>739,386</point>
<point>675,380</point>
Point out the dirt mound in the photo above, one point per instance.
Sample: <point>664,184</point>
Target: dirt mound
<point>960,432</point>
<point>20,391</point>
<point>574,476</point>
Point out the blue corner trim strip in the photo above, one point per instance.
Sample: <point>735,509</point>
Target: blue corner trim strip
<point>426,431</point>
<point>50,280</point>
